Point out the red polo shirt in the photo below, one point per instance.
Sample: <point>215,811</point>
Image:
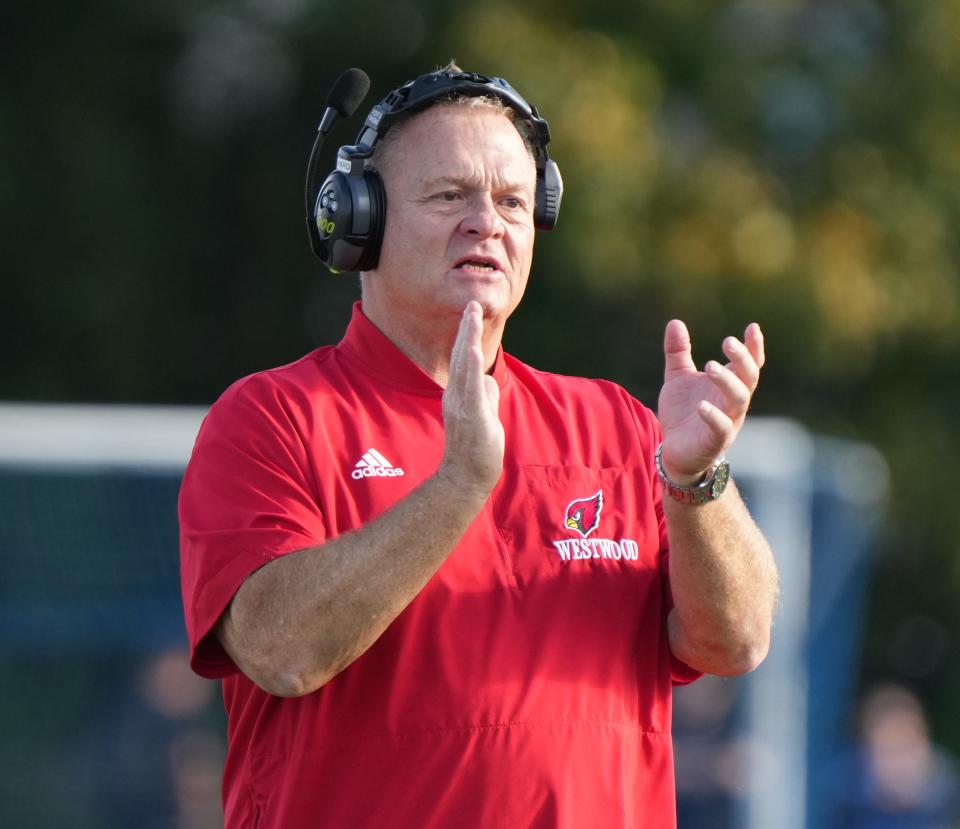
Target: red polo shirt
<point>528,685</point>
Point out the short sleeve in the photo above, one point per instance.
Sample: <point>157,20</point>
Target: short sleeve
<point>248,496</point>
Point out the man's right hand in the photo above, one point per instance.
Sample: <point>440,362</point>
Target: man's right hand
<point>474,438</point>
<point>337,598</point>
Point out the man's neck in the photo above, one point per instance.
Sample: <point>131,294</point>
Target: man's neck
<point>428,342</point>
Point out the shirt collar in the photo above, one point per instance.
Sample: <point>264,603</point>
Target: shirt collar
<point>366,344</point>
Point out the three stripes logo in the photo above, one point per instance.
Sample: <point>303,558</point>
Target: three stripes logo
<point>374,465</point>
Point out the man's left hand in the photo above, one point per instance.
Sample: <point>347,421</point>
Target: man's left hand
<point>701,412</point>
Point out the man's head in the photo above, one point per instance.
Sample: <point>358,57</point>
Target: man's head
<point>345,215</point>
<point>454,98</point>
<point>460,186</point>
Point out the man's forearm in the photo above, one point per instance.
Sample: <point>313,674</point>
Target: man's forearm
<point>724,584</point>
<point>301,619</point>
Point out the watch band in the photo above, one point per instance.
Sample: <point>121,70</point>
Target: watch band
<point>709,489</point>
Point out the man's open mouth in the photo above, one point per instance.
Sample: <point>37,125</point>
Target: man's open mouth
<point>476,265</point>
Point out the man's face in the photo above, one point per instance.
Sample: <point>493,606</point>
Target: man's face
<point>460,188</point>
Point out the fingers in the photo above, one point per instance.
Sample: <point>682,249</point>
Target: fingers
<point>474,438</point>
<point>471,356</point>
<point>467,341</point>
<point>742,364</point>
<point>720,425</point>
<point>753,337</point>
<point>747,357</point>
<point>737,381</point>
<point>460,343</point>
<point>734,391</point>
<point>493,394</point>
<point>677,349</point>
<point>702,412</point>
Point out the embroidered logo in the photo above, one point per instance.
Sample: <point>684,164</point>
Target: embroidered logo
<point>583,514</point>
<point>374,465</point>
<point>583,517</point>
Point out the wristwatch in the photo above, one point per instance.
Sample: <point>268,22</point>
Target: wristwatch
<point>709,489</point>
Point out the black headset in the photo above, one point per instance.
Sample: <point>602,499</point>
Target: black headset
<point>345,216</point>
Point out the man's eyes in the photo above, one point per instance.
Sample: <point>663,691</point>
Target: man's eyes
<point>509,202</point>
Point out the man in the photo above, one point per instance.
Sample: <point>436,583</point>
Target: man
<point>434,580</point>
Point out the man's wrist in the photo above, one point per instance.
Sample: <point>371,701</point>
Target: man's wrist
<point>681,479</point>
<point>706,487</point>
<point>468,490</point>
<point>684,479</point>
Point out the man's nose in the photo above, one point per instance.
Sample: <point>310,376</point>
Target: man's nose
<point>482,218</point>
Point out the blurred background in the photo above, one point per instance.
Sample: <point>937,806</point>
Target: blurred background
<point>794,162</point>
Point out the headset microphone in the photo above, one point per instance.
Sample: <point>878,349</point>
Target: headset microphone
<point>346,94</point>
<point>346,214</point>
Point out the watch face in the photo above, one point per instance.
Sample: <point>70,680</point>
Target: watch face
<point>720,477</point>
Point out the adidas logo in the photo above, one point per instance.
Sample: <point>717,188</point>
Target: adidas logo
<point>374,465</point>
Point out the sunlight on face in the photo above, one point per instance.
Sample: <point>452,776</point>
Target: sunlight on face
<point>460,187</point>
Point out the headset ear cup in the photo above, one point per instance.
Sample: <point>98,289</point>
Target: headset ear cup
<point>376,201</point>
<point>549,193</point>
<point>348,221</point>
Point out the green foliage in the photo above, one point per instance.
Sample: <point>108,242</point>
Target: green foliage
<point>792,162</point>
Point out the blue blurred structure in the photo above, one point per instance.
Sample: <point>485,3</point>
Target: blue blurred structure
<point>820,501</point>
<point>850,487</point>
<point>103,725</point>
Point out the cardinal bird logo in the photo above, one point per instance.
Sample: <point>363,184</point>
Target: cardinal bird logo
<point>583,514</point>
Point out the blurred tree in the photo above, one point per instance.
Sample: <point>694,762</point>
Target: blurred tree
<point>794,162</point>
<point>791,161</point>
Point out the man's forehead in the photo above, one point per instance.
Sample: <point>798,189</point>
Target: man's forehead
<point>453,123</point>
<point>454,139</point>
